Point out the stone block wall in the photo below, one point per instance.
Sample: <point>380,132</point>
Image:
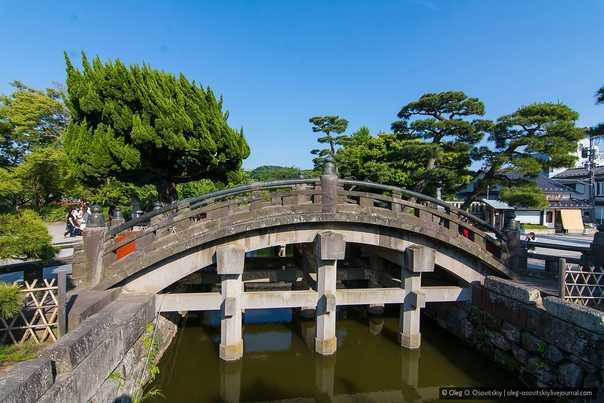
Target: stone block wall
<point>546,342</point>
<point>78,367</point>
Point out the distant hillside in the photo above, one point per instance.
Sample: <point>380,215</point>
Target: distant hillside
<point>266,173</point>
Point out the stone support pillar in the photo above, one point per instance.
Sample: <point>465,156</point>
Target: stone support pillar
<point>417,259</point>
<point>329,247</point>
<point>229,265</point>
<point>304,259</point>
<point>377,268</point>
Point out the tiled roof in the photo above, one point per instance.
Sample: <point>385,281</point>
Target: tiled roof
<point>572,203</point>
<point>497,204</point>
<point>578,173</point>
<point>546,184</point>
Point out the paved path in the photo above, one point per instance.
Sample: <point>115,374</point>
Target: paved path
<point>57,232</point>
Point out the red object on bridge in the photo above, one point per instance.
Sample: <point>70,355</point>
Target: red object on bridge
<point>126,249</point>
<point>465,232</point>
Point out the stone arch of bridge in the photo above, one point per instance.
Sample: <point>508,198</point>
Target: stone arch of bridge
<point>161,275</point>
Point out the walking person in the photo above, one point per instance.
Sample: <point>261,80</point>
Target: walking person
<point>73,225</point>
<point>84,215</point>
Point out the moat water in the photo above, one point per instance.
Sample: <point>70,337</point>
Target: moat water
<point>279,363</point>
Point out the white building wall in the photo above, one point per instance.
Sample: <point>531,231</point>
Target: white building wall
<point>581,162</point>
<point>528,216</point>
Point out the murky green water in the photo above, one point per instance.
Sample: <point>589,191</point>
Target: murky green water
<point>279,363</point>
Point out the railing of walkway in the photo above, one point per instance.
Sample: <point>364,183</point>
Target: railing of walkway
<point>43,315</point>
<point>413,199</point>
<point>326,194</point>
<point>580,279</point>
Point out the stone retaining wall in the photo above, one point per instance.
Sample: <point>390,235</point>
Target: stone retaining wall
<point>546,342</point>
<point>78,367</point>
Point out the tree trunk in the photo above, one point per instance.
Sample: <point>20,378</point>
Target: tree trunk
<point>421,185</point>
<point>166,188</point>
<point>466,204</point>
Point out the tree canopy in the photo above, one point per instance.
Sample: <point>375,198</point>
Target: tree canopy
<point>266,173</point>
<point>440,129</point>
<point>524,195</point>
<point>385,158</point>
<point>43,176</point>
<point>29,118</point>
<point>531,140</point>
<point>146,126</point>
<point>332,126</point>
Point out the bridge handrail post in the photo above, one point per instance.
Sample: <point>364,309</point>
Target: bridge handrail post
<point>90,272</point>
<point>597,247</point>
<point>329,188</point>
<point>87,270</point>
<point>562,273</point>
<point>515,249</point>
<point>61,303</point>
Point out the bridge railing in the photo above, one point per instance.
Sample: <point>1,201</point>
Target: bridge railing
<point>579,279</point>
<point>308,195</point>
<point>205,199</point>
<point>427,201</point>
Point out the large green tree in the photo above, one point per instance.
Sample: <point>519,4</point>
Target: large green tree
<point>531,140</point>
<point>385,158</point>
<point>43,176</point>
<point>146,126</point>
<point>524,195</point>
<point>447,127</point>
<point>29,118</point>
<point>332,127</point>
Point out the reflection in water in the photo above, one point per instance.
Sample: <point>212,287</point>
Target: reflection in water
<point>279,363</point>
<point>47,273</point>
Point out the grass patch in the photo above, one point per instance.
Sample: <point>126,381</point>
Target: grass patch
<point>19,352</point>
<point>534,226</point>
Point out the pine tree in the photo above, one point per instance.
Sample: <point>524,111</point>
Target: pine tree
<point>146,126</point>
<point>529,141</point>
<point>444,134</point>
<point>332,127</point>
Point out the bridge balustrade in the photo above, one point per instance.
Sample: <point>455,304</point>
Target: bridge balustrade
<point>299,196</point>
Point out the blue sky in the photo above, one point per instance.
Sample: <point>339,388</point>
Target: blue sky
<point>279,62</point>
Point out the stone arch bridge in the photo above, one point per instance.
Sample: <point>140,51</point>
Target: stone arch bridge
<point>332,235</point>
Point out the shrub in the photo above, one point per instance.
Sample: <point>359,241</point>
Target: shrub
<point>23,235</point>
<point>54,213</point>
<point>11,300</point>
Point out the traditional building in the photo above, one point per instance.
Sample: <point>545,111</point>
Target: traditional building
<point>565,212</point>
<point>578,180</point>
